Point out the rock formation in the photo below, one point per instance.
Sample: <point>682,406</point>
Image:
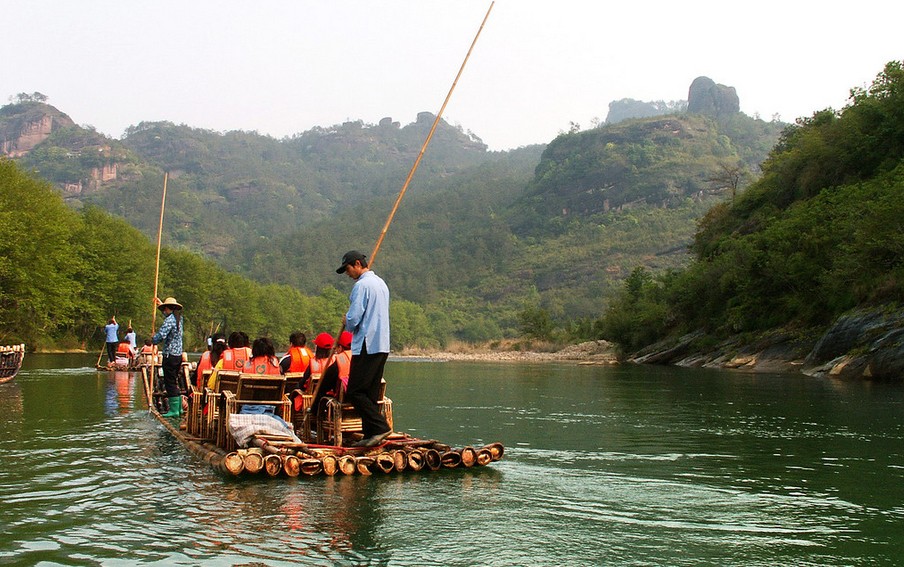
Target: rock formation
<point>707,97</point>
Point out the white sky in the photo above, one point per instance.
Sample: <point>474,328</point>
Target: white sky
<point>281,67</point>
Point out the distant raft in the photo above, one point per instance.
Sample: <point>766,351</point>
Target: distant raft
<point>239,444</point>
<point>11,357</point>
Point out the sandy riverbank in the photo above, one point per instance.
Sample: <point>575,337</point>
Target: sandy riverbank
<point>591,352</point>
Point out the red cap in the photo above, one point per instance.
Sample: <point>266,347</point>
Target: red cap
<point>345,339</point>
<point>324,340</point>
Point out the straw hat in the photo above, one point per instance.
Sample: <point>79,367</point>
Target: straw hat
<point>171,303</point>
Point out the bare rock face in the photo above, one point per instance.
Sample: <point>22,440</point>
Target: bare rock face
<point>22,127</point>
<point>707,97</point>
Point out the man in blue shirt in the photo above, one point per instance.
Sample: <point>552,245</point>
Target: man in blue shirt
<point>368,321</point>
<point>112,338</point>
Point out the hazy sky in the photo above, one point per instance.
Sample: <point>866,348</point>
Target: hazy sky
<point>282,67</point>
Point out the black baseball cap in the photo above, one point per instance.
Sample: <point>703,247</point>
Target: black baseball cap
<point>350,258</point>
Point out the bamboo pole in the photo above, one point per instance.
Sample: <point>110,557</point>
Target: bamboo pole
<point>420,155</point>
<point>157,266</point>
<point>417,162</point>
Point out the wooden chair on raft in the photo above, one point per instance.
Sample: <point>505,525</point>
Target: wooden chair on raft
<point>300,396</point>
<point>227,381</point>
<point>254,389</point>
<point>198,397</point>
<point>338,421</point>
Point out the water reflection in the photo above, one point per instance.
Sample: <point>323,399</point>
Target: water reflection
<point>602,466</point>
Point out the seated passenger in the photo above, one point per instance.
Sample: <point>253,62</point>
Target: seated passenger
<point>324,344</point>
<point>209,358</point>
<point>237,357</point>
<point>124,353</point>
<point>298,357</point>
<point>263,357</point>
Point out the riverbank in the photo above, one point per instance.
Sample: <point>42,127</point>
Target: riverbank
<point>865,343</point>
<point>590,352</point>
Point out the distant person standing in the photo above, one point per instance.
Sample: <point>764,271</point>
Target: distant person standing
<point>132,338</point>
<point>170,334</point>
<point>111,330</point>
<point>368,321</point>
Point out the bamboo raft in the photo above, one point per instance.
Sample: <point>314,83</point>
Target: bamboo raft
<point>280,455</point>
<point>11,357</point>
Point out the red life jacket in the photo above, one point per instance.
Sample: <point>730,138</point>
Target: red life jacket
<point>301,358</point>
<point>236,359</point>
<point>264,365</point>
<point>124,349</point>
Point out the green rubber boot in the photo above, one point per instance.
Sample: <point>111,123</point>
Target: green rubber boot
<point>175,407</point>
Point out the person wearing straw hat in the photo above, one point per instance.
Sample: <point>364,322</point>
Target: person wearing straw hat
<point>170,334</point>
<point>367,320</point>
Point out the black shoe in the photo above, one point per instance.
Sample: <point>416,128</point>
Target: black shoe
<point>373,440</point>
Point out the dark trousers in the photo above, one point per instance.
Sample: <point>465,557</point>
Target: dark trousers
<point>111,351</point>
<point>363,392</point>
<point>171,367</point>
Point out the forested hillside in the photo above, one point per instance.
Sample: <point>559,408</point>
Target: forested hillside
<point>63,273</point>
<point>817,235</point>
<point>486,245</point>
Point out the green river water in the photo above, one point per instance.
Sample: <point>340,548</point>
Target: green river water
<point>630,465</point>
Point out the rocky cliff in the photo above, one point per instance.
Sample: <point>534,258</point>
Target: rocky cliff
<point>25,125</point>
<point>862,344</point>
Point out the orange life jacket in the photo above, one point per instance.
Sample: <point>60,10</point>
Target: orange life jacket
<point>344,360</point>
<point>236,359</point>
<point>203,364</point>
<point>264,365</point>
<point>301,358</point>
<point>318,365</point>
<point>148,349</point>
<point>125,349</point>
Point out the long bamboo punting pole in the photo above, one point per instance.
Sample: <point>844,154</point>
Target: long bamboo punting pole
<point>417,162</point>
<point>420,155</point>
<point>157,266</point>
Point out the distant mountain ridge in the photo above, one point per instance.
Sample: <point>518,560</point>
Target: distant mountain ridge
<point>482,235</point>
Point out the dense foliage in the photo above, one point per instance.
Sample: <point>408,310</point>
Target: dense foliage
<point>818,234</point>
<point>64,273</point>
<point>533,241</point>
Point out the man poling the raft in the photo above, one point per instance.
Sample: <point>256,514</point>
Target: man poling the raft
<point>368,321</point>
<point>170,334</point>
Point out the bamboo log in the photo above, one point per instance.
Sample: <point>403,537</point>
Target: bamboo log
<point>291,465</point>
<point>468,456</point>
<point>415,460</point>
<point>385,462</point>
<point>433,459</point>
<point>347,464</point>
<point>364,465</point>
<point>272,464</point>
<point>496,450</point>
<point>451,459</point>
<point>330,464</point>
<point>254,461</point>
<point>234,463</point>
<point>400,459</point>
<point>484,457</point>
<point>311,467</point>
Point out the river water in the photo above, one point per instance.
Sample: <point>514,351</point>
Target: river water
<point>603,466</point>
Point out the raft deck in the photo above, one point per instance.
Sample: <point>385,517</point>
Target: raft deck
<point>275,455</point>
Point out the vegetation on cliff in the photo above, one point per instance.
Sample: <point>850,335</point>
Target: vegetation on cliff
<point>818,234</point>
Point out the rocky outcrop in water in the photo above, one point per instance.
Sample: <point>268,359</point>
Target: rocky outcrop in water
<point>863,344</point>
